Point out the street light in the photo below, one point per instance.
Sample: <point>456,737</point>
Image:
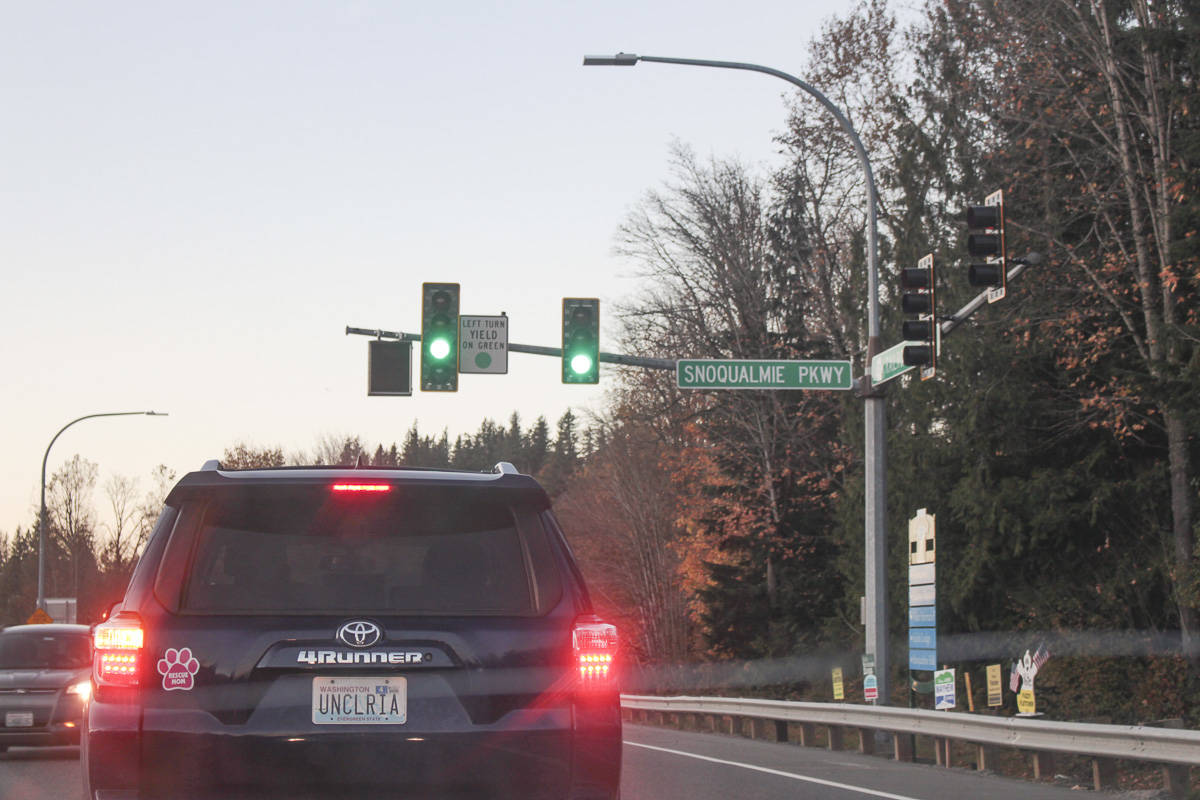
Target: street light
<point>875,455</point>
<point>41,598</point>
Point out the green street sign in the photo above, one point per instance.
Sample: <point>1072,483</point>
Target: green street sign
<point>890,363</point>
<point>708,373</point>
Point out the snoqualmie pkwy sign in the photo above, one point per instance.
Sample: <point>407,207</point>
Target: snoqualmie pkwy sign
<point>738,374</point>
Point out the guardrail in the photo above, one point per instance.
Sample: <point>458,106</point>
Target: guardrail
<point>1175,749</point>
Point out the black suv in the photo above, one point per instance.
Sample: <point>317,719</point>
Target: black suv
<point>354,633</point>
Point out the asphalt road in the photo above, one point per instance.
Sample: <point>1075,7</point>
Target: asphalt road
<point>662,764</point>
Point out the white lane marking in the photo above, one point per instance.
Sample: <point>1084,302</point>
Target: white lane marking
<point>781,773</point>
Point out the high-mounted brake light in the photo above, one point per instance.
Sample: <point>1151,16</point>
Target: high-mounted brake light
<point>595,646</point>
<point>118,646</point>
<point>362,487</point>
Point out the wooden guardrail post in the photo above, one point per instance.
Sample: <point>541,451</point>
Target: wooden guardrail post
<point>866,741</point>
<point>1104,773</point>
<point>758,728</point>
<point>1176,777</point>
<point>781,730</point>
<point>835,737</point>
<point>805,734</point>
<point>1043,765</point>
<point>902,746</point>
<point>985,757</point>
<point>941,748</point>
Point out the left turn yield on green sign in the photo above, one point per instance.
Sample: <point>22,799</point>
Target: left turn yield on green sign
<point>710,373</point>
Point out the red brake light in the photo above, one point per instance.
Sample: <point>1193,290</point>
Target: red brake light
<point>362,487</point>
<point>595,646</point>
<point>118,646</point>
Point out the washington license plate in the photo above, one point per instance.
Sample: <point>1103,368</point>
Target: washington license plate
<point>360,701</point>
<point>18,719</point>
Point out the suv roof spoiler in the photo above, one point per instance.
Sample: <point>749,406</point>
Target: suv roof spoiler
<point>500,468</point>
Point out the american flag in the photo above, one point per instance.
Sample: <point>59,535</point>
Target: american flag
<point>1014,680</point>
<point>1040,656</point>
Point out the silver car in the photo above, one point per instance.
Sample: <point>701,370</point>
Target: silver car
<point>45,682</point>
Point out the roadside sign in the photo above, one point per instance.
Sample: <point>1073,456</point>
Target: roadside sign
<point>922,616</point>
<point>923,595</point>
<point>890,363</point>
<point>712,373</point>
<point>922,638</point>
<point>39,617</point>
<point>922,659</point>
<point>868,663</point>
<point>943,689</point>
<point>994,690</point>
<point>839,692</point>
<point>870,688</point>
<point>483,345</point>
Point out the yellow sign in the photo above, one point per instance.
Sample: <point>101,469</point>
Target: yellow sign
<point>995,692</point>
<point>839,692</point>
<point>38,617</point>
<point>1025,702</point>
<point>922,531</point>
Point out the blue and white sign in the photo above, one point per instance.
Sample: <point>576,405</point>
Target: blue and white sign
<point>922,616</point>
<point>922,638</point>
<point>922,659</point>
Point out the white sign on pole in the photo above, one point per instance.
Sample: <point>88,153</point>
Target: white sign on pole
<point>943,690</point>
<point>483,345</point>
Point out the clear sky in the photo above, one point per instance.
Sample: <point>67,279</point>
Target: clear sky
<point>197,198</point>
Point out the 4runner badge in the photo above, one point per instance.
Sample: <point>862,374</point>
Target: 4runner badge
<point>349,657</point>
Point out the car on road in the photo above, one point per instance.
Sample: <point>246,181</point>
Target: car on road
<point>44,683</point>
<point>354,633</point>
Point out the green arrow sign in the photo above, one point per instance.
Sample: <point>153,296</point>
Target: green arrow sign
<point>737,374</point>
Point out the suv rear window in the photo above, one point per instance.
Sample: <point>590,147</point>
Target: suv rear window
<point>308,550</point>
<point>44,651</point>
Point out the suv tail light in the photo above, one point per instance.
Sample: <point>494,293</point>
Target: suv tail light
<point>118,646</point>
<point>595,646</point>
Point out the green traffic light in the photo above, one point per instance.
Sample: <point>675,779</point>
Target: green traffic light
<point>439,348</point>
<point>581,364</point>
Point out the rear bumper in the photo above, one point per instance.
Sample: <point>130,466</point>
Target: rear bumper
<point>55,735</point>
<point>554,753</point>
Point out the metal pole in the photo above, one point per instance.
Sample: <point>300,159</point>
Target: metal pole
<point>41,595</point>
<point>875,457</point>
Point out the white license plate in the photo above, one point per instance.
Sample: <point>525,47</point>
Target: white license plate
<point>18,719</point>
<point>360,701</point>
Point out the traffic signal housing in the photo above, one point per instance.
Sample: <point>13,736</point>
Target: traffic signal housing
<point>439,337</point>
<point>580,340</point>
<point>919,297</point>
<point>986,246</point>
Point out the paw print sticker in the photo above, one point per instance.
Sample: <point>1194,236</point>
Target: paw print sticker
<point>177,668</point>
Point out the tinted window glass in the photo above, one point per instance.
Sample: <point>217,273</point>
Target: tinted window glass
<point>309,549</point>
<point>44,651</point>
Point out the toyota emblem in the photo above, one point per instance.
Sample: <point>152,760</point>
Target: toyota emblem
<point>359,633</point>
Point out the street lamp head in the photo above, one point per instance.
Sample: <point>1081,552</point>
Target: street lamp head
<point>157,414</point>
<point>619,60</point>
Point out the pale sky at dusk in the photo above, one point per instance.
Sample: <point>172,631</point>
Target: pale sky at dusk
<point>197,198</point>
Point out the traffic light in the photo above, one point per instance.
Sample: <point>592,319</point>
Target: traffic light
<point>580,340</point>
<point>985,240</point>
<point>439,337</point>
<point>919,296</point>
<point>389,368</point>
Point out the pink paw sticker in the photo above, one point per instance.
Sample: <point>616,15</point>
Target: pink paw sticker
<point>177,668</point>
